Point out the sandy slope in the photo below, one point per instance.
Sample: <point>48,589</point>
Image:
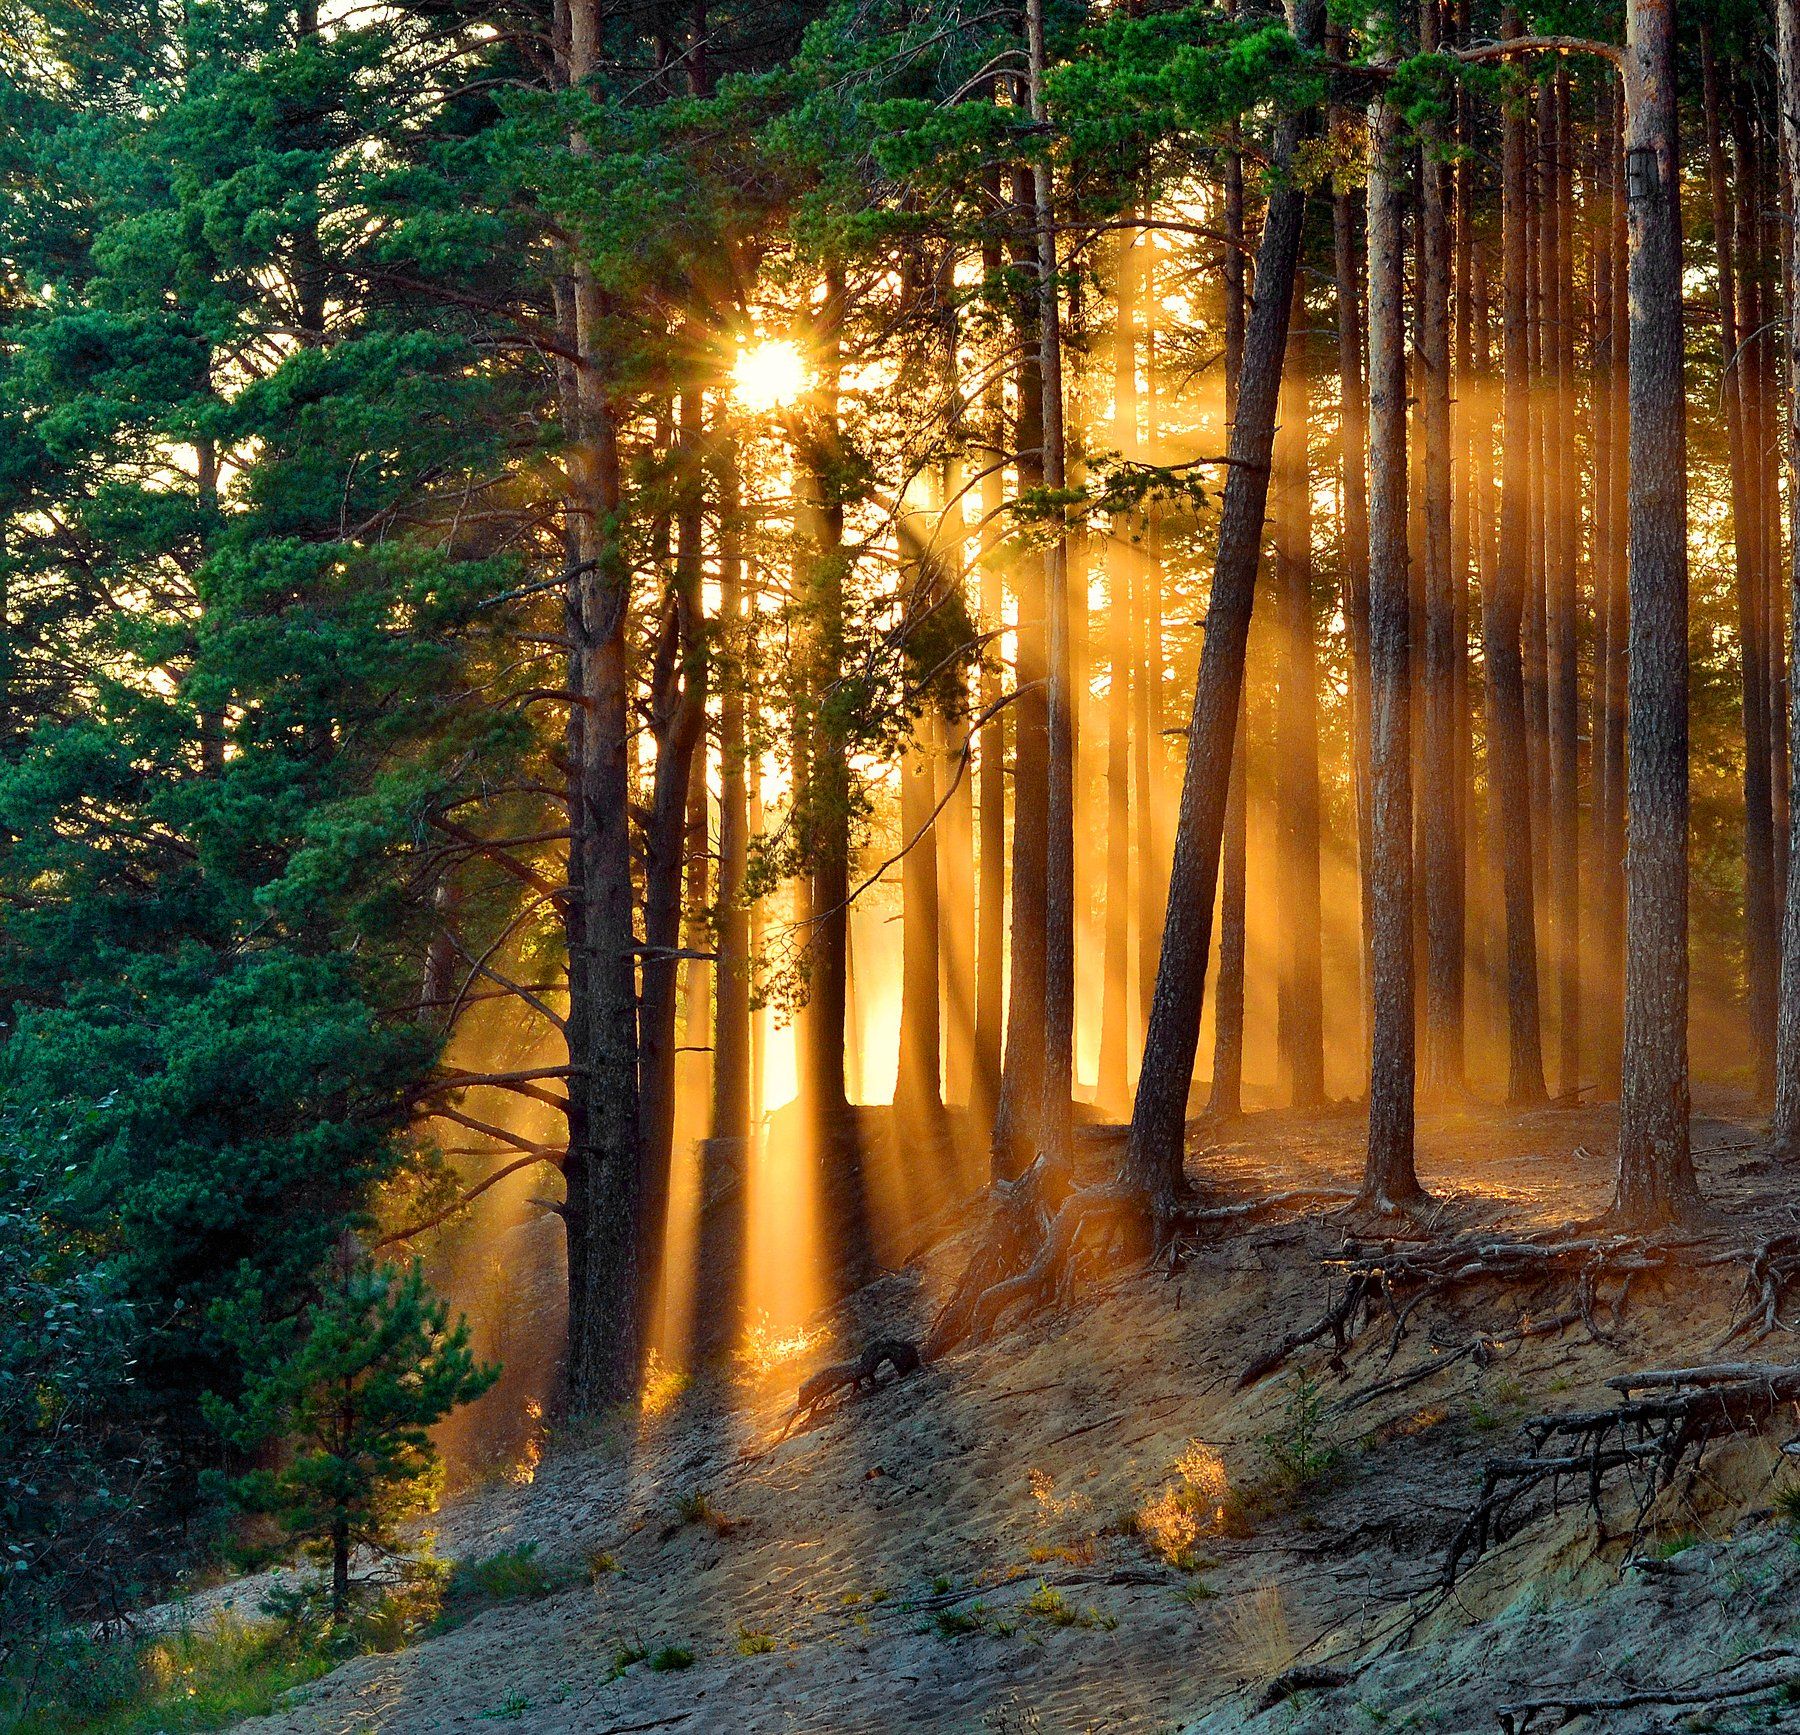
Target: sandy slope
<point>859,1546</point>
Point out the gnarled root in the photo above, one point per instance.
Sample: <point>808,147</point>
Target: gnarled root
<point>1397,1278</point>
<point>1045,1229</point>
<point>1663,1416</point>
<point>897,1353</point>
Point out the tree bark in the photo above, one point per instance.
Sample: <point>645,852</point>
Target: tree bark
<point>1228,1002</point>
<point>1059,783</point>
<point>1389,1177</point>
<point>1300,1011</point>
<point>990,942</point>
<point>600,1211</point>
<point>1353,457</point>
<point>1761,923</point>
<point>1022,1077</point>
<point>1439,807</point>
<point>1154,1154</point>
<point>1560,580</point>
<point>1656,1183</point>
<point>1113,1082</point>
<point>677,723</point>
<point>1508,769</point>
<point>731,1012</point>
<point>1785,1128</point>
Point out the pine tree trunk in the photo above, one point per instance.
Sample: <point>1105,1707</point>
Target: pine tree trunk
<point>1300,1005</point>
<point>731,1011</point>
<point>1389,1178</point>
<point>677,723</point>
<point>990,941</point>
<point>1761,924</point>
<point>918,1087</point>
<point>1154,1156</point>
<point>1508,752</point>
<point>1114,1082</point>
<point>1656,1183</point>
<point>1606,842</point>
<point>600,1210</point>
<point>1059,783</point>
<point>1438,805</point>
<point>1353,457</point>
<point>1022,1077</point>
<point>1785,1128</point>
<point>1560,581</point>
<point>1618,646</point>
<point>1228,1003</point>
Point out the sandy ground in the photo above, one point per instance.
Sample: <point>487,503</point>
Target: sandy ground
<point>893,1557</point>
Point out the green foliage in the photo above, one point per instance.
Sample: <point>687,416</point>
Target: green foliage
<point>1300,1454</point>
<point>191,1679</point>
<point>754,1641</point>
<point>72,1467</point>
<point>507,1575</point>
<point>670,1658</point>
<point>350,1386</point>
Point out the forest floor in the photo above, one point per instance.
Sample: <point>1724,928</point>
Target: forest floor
<point>987,1544</point>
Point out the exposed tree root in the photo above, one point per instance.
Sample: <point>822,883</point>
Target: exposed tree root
<point>1396,1278</point>
<point>1045,1231</point>
<point>1520,1718</point>
<point>860,1371</point>
<point>1648,1437</point>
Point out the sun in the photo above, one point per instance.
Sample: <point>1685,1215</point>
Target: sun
<point>770,375</point>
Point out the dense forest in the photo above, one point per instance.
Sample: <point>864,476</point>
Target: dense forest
<point>650,646</point>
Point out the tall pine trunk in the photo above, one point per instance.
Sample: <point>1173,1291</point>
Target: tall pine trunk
<point>1300,1004</point>
<point>1656,1183</point>
<point>1389,1177</point>
<point>1439,807</point>
<point>1059,782</point>
<point>1228,1001</point>
<point>1113,1082</point>
<point>1022,1076</point>
<point>600,1211</point>
<point>1785,1129</point>
<point>1508,751</point>
<point>1154,1155</point>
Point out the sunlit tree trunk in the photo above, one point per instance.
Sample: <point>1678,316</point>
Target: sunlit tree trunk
<point>1152,756</point>
<point>1785,1128</point>
<point>1300,1005</point>
<point>1154,1155</point>
<point>1536,488</point>
<point>990,941</point>
<point>1114,1082</point>
<point>600,1210</point>
<point>1656,1182</point>
<point>1022,1077</point>
<point>1439,808</point>
<point>1508,771</point>
<point>1618,645</point>
<point>1606,842</point>
<point>1228,1002</point>
<point>731,1012</point>
<point>918,1081</point>
<point>1059,784</point>
<point>1353,457</point>
<point>1389,1177</point>
<point>1560,595</point>
<point>677,725</point>
<point>1761,923</point>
